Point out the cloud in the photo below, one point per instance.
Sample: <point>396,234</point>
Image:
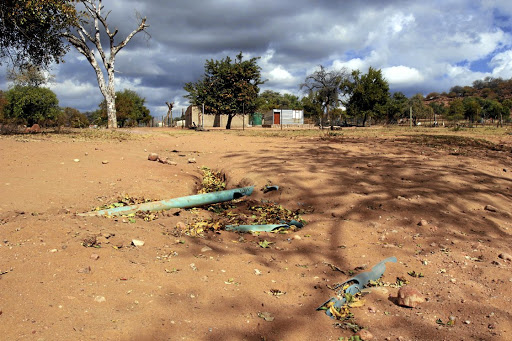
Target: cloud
<point>419,46</point>
<point>402,75</point>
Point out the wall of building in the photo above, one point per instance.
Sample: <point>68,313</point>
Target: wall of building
<point>211,121</point>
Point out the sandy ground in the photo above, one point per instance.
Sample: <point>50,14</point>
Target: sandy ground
<point>365,194</point>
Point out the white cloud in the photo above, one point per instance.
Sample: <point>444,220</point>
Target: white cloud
<point>502,65</point>
<point>402,75</point>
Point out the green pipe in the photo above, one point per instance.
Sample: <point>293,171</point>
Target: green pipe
<point>183,202</point>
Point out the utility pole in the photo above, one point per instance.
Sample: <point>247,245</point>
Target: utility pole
<point>243,116</point>
<point>410,117</point>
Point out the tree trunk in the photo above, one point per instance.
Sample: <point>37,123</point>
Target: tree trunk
<point>230,117</point>
<point>110,96</point>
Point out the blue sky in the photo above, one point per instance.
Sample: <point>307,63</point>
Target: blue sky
<point>420,46</point>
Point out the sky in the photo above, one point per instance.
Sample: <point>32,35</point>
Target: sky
<point>420,46</point>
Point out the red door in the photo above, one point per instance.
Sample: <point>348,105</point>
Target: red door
<point>277,117</point>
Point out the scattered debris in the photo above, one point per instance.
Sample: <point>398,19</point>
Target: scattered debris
<point>415,274</point>
<point>212,181</point>
<point>505,256</point>
<point>491,208</point>
<point>182,202</point>
<point>364,334</point>
<point>85,270</point>
<point>137,242</point>
<point>266,316</point>
<point>337,307</point>
<point>423,222</point>
<point>100,299</point>
<point>269,188</point>
<point>409,297</point>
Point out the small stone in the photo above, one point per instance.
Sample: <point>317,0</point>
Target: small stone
<point>53,250</point>
<point>297,237</point>
<point>490,326</point>
<point>467,322</point>
<point>491,208</point>
<point>137,242</point>
<point>409,297</point>
<point>191,160</point>
<point>86,270</point>
<point>95,256</point>
<point>364,335</point>
<point>257,272</point>
<point>153,157</point>
<point>104,162</point>
<point>181,225</point>
<point>206,249</point>
<point>76,160</point>
<point>266,316</point>
<point>505,256</point>
<point>372,310</point>
<point>423,222</point>
<point>100,299</point>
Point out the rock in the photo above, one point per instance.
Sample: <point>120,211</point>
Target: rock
<point>76,160</point>
<point>167,161</point>
<point>99,299</point>
<point>191,160</point>
<point>95,256</point>
<point>505,256</point>
<point>34,129</point>
<point>364,334</point>
<point>266,316</point>
<point>137,242</point>
<point>423,222</point>
<point>409,297</point>
<point>104,162</point>
<point>491,208</point>
<point>86,270</point>
<point>206,249</point>
<point>297,237</point>
<point>153,157</point>
<point>181,225</point>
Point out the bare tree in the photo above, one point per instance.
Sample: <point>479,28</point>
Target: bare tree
<point>327,85</point>
<point>80,37</point>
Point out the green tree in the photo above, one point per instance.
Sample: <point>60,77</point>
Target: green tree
<point>456,110</point>
<point>74,118</point>
<point>227,87</point>
<point>130,109</point>
<point>270,99</point>
<point>419,109</point>
<point>507,106</point>
<point>312,105</point>
<point>3,103</point>
<point>438,108</point>
<point>327,86</point>
<point>30,30</point>
<point>369,94</point>
<point>472,108</point>
<point>396,107</point>
<point>30,105</point>
<point>29,75</point>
